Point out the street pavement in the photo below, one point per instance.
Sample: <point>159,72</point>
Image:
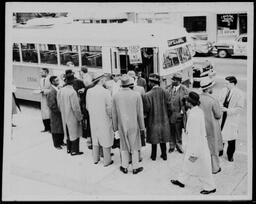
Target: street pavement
<point>35,170</point>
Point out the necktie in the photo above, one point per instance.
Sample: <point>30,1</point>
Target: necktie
<point>225,104</point>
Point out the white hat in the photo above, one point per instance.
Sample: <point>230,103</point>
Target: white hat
<point>206,83</point>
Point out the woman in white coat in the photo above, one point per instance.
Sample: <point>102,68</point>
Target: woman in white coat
<point>99,105</point>
<point>197,159</point>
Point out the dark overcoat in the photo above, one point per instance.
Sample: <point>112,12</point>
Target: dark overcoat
<point>55,115</point>
<point>156,103</point>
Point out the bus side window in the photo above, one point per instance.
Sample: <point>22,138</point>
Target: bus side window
<point>29,53</point>
<point>69,53</point>
<point>91,56</point>
<point>48,53</point>
<point>15,53</point>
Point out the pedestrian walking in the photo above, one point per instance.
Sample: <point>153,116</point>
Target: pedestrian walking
<point>68,103</point>
<point>232,103</point>
<point>177,92</point>
<point>212,113</point>
<point>156,104</point>
<point>99,105</point>
<point>45,89</point>
<point>55,115</point>
<point>127,114</point>
<point>197,158</point>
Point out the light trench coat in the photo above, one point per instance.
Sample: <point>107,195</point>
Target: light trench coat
<point>128,119</point>
<point>68,103</point>
<point>99,105</point>
<point>230,130</point>
<point>197,145</point>
<point>45,86</point>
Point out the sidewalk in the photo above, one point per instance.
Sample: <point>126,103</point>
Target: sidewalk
<point>37,171</point>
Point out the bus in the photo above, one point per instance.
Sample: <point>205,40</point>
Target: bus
<point>105,48</point>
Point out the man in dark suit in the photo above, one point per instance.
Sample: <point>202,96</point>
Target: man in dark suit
<point>55,115</point>
<point>177,92</point>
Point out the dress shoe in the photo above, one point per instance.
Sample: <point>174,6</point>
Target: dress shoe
<point>164,157</point>
<point>112,154</point>
<point>76,153</point>
<point>44,130</point>
<point>220,153</point>
<point>124,170</point>
<point>96,162</point>
<point>171,150</point>
<point>217,171</point>
<point>140,160</point>
<point>58,147</point>
<point>179,149</point>
<point>153,158</point>
<point>90,147</point>
<point>176,182</point>
<point>231,160</point>
<point>14,125</point>
<point>208,192</point>
<point>135,171</point>
<point>109,163</point>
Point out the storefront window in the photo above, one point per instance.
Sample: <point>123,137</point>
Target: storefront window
<point>69,53</point>
<point>48,53</point>
<point>15,52</point>
<point>91,56</point>
<point>170,58</point>
<point>195,23</point>
<point>29,53</point>
<point>227,21</point>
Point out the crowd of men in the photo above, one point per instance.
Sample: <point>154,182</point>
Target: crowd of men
<point>118,111</point>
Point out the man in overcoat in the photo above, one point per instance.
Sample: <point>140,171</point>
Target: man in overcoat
<point>99,105</point>
<point>156,104</point>
<point>177,110</point>
<point>212,114</point>
<point>55,115</point>
<point>128,120</point>
<point>45,89</point>
<point>197,158</point>
<point>232,103</point>
<point>68,103</point>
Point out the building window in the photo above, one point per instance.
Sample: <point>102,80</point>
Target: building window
<point>29,53</point>
<point>48,53</point>
<point>69,53</point>
<point>15,52</point>
<point>227,21</point>
<point>91,56</point>
<point>195,23</point>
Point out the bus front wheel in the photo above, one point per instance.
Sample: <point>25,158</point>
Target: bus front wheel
<point>222,53</point>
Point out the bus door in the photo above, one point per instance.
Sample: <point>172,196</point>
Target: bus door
<point>115,61</point>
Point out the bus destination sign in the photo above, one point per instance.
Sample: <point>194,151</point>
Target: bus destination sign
<point>177,41</point>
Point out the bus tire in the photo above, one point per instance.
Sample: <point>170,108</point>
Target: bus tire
<point>222,53</point>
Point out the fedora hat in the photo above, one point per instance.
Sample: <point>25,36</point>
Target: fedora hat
<point>125,80</point>
<point>193,98</point>
<point>154,78</point>
<point>231,79</point>
<point>177,76</point>
<point>206,83</point>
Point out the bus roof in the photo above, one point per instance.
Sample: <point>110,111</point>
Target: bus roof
<point>125,34</point>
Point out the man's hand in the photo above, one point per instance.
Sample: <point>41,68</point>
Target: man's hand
<point>192,159</point>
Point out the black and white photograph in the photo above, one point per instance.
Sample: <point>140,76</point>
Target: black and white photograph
<point>119,101</point>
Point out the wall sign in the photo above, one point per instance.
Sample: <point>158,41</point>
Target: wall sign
<point>177,41</point>
<point>134,54</point>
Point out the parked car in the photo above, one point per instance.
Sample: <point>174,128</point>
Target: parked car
<point>236,47</point>
<point>202,69</point>
<point>200,45</point>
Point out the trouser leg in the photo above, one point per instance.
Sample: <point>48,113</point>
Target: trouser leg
<point>69,143</point>
<point>215,163</point>
<point>55,140</point>
<point>96,153</point>
<point>163,149</point>
<point>75,146</point>
<point>172,142</point>
<point>135,160</point>
<point>231,149</point>
<point>106,155</point>
<point>140,155</point>
<point>178,129</point>
<point>125,158</point>
<point>61,138</point>
<point>221,152</point>
<point>153,151</point>
<point>47,124</point>
<point>208,183</point>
